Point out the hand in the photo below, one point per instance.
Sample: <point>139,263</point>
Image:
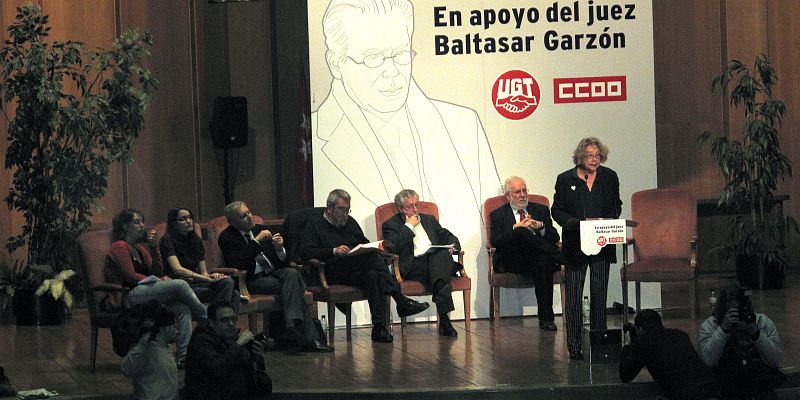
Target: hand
<point>412,219</point>
<point>244,338</point>
<point>731,320</point>
<point>152,238</point>
<point>341,250</point>
<point>216,276</point>
<point>265,234</point>
<point>525,222</point>
<point>537,224</point>
<point>277,241</point>
<point>165,278</point>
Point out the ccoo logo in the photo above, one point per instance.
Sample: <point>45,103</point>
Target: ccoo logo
<point>515,94</point>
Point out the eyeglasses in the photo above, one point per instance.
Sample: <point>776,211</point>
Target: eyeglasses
<point>411,206</point>
<point>589,156</point>
<point>520,191</point>
<point>183,218</point>
<point>138,222</point>
<point>376,60</point>
<point>341,210</point>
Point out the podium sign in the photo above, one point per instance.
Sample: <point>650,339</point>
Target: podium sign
<point>598,233</point>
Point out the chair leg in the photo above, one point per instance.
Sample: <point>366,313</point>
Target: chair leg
<point>467,295</point>
<point>348,318</point>
<point>331,321</point>
<point>638,297</point>
<point>496,305</point>
<point>563,304</point>
<point>265,318</point>
<point>693,298</point>
<point>93,348</point>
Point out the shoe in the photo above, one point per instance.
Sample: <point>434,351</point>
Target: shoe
<point>381,335</point>
<point>576,355</point>
<point>446,329</point>
<point>408,307</point>
<point>243,299</point>
<point>316,347</point>
<point>548,326</point>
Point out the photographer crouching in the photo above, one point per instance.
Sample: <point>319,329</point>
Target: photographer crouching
<point>668,355</point>
<point>224,363</point>
<point>742,347</point>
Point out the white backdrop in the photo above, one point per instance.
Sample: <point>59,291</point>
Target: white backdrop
<point>453,107</point>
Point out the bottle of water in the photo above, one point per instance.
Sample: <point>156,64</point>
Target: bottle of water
<point>586,310</point>
<point>712,300</point>
<point>324,322</point>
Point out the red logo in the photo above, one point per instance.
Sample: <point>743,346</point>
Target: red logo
<point>618,239</point>
<point>515,94</point>
<point>590,89</point>
<point>601,241</point>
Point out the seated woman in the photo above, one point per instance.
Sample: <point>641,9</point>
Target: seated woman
<point>183,252</point>
<point>130,263</point>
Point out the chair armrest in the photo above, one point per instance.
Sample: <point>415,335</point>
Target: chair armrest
<point>394,262</point>
<point>490,270</point>
<point>320,267</point>
<point>693,256</point>
<point>225,270</point>
<point>239,274</point>
<point>462,272</point>
<point>107,287</point>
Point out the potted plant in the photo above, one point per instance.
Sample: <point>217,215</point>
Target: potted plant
<point>74,111</point>
<point>753,166</point>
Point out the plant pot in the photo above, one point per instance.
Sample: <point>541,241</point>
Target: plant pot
<point>30,309</point>
<point>755,275</point>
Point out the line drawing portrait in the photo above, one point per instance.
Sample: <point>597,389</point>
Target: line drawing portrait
<point>377,132</point>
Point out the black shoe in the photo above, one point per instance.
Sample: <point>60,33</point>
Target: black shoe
<point>316,347</point>
<point>576,355</point>
<point>446,329</point>
<point>406,307</point>
<point>381,335</point>
<point>548,326</point>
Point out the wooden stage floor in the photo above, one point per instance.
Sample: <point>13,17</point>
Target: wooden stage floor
<point>516,355</point>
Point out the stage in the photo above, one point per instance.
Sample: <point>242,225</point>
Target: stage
<point>517,361</point>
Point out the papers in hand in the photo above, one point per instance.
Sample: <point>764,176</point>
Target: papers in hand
<point>149,279</point>
<point>435,247</point>
<point>366,248</point>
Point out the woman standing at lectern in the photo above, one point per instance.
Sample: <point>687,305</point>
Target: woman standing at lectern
<point>588,190</point>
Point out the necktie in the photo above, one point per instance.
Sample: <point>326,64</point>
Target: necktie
<point>262,262</point>
<point>521,213</point>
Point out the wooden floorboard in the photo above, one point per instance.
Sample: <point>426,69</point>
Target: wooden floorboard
<point>485,360</point>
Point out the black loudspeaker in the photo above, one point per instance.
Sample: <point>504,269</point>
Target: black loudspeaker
<point>605,346</point>
<point>229,122</point>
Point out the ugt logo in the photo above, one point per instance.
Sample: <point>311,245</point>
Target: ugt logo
<point>601,241</point>
<point>515,94</point>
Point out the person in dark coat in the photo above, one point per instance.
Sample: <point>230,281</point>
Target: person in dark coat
<point>223,363</point>
<point>410,235</point>
<point>588,190</point>
<point>525,241</point>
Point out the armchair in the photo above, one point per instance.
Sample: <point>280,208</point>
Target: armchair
<point>665,241</point>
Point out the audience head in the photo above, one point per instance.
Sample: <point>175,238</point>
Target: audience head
<point>222,320</point>
<point>516,191</point>
<point>239,216</point>
<point>406,201</point>
<point>180,220</point>
<point>128,225</point>
<point>369,50</point>
<point>647,320</point>
<point>587,148</point>
<point>337,207</point>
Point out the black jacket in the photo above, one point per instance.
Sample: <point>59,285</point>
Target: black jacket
<point>399,239</point>
<point>569,208</point>
<point>503,235</point>
<point>218,370</point>
<point>240,253</point>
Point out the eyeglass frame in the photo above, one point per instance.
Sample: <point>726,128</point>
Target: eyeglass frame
<point>384,58</point>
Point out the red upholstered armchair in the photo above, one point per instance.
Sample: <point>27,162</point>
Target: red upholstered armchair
<point>461,283</point>
<point>665,241</point>
<point>511,280</point>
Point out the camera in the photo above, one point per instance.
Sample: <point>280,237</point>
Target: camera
<point>261,338</point>
<point>746,313</point>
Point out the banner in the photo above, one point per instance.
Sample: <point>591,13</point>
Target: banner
<point>451,97</point>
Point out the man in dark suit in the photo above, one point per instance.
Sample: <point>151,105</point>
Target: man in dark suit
<point>525,240</point>
<point>410,235</point>
<point>253,248</point>
<point>330,237</point>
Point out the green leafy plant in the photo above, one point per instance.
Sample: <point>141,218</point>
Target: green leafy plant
<point>74,112</point>
<point>753,166</point>
<point>57,287</point>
